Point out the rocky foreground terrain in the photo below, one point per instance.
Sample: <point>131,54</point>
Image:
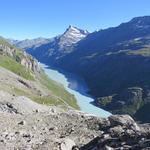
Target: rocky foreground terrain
<point>26,125</point>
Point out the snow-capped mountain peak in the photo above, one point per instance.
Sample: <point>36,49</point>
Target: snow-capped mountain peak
<point>72,35</point>
<point>76,30</point>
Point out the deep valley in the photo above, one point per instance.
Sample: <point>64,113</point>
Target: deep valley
<point>114,62</point>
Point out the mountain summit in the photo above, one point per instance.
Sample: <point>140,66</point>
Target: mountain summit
<point>71,36</point>
<point>77,30</point>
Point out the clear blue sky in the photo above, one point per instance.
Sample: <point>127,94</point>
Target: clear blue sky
<point>22,19</point>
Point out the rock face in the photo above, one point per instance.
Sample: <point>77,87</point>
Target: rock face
<point>29,126</point>
<point>131,101</point>
<point>67,144</point>
<point>71,36</point>
<point>123,133</point>
<point>129,96</point>
<point>30,63</point>
<point>5,49</point>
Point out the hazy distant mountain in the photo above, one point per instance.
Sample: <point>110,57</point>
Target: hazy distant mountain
<point>28,43</point>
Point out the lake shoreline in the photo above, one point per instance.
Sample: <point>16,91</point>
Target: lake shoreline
<point>76,86</point>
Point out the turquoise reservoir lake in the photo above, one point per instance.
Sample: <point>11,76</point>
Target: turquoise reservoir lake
<point>78,88</point>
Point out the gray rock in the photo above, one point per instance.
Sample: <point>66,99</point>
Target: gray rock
<point>22,123</point>
<point>123,120</point>
<point>67,144</point>
<point>117,130</point>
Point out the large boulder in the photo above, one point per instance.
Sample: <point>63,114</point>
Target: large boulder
<point>67,144</point>
<point>123,120</point>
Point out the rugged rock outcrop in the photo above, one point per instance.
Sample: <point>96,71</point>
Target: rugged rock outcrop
<point>30,63</point>
<point>122,134</point>
<point>131,101</point>
<point>127,97</point>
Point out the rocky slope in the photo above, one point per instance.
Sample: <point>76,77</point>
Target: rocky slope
<point>31,126</point>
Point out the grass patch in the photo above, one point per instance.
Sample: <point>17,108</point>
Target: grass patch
<point>104,100</point>
<point>142,52</point>
<point>15,67</point>
<point>4,42</point>
<point>19,92</point>
<point>59,91</point>
<point>57,95</point>
<point>45,100</point>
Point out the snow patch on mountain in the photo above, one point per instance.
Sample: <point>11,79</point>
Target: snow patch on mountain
<point>71,36</point>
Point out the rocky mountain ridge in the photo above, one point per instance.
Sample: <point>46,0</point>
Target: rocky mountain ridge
<point>28,43</point>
